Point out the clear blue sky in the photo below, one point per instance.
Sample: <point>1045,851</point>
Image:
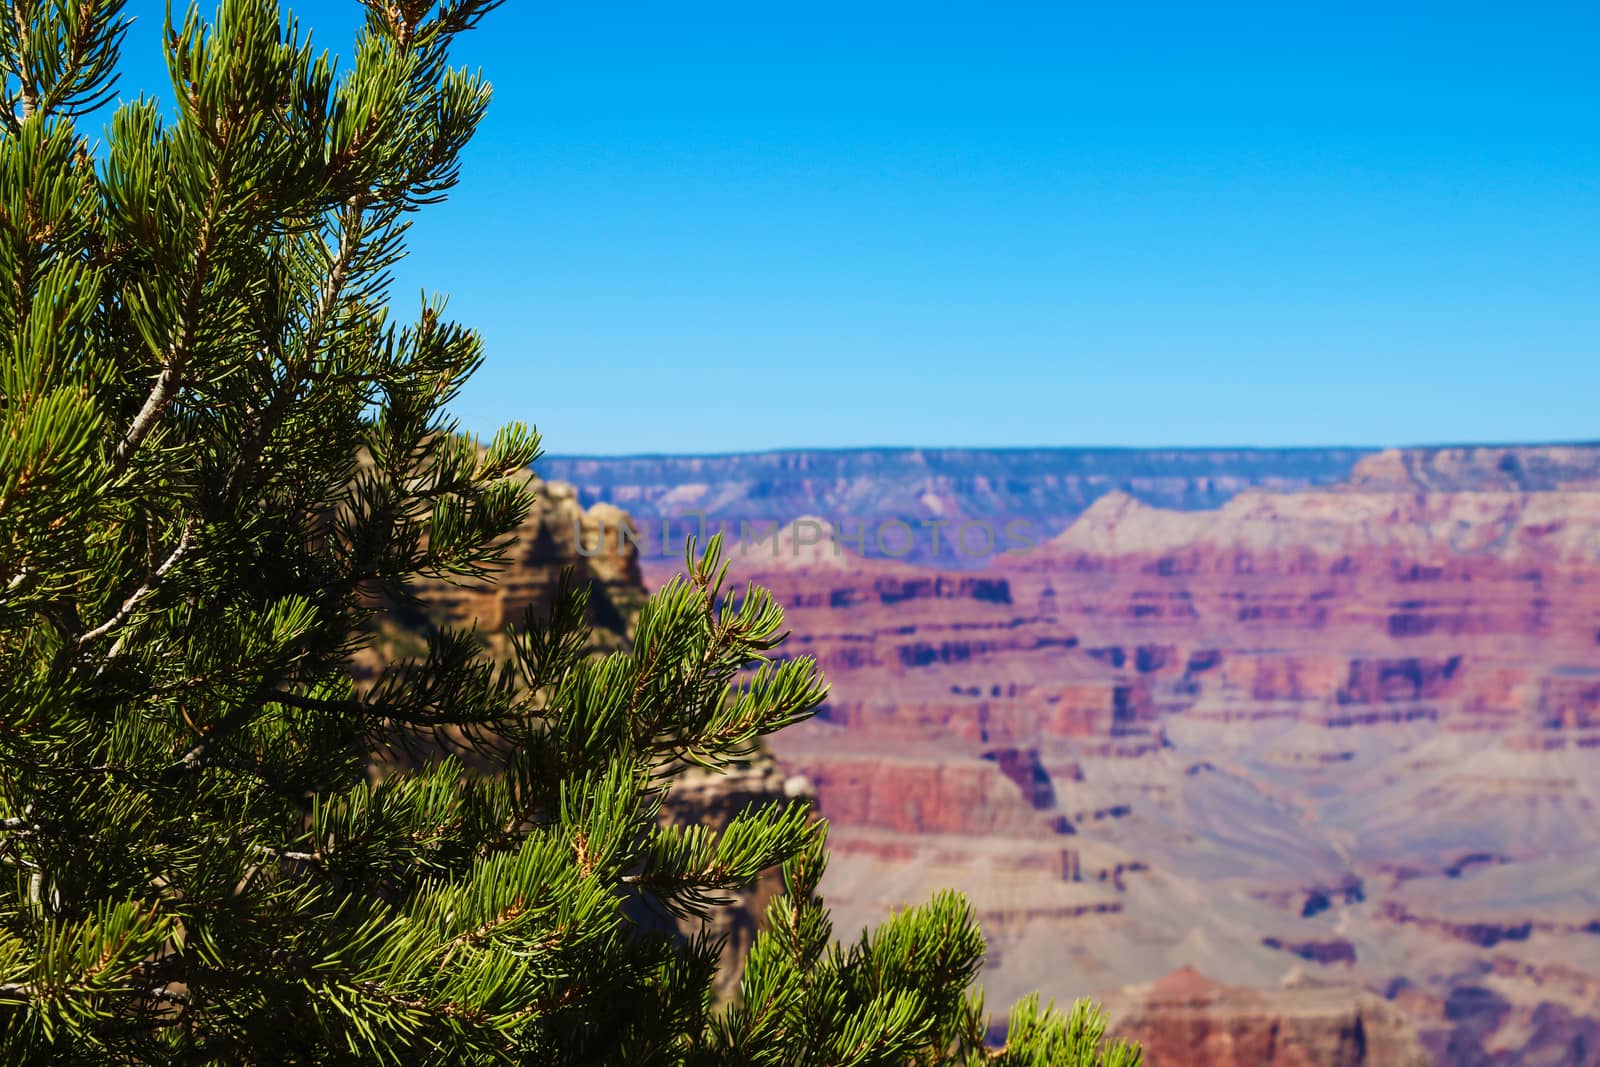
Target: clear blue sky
<point>724,227</point>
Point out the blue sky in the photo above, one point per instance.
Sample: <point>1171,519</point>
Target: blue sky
<point>719,227</point>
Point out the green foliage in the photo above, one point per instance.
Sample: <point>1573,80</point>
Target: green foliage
<point>221,460</point>
<point>900,995</point>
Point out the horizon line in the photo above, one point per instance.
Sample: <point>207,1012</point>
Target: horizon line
<point>840,449</point>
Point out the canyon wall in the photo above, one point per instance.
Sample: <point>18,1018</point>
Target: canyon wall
<point>1187,1019</point>
<point>1348,731</point>
<point>559,534</point>
<point>1296,768</point>
<point>1042,490</point>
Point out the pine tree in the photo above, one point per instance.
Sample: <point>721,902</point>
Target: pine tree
<point>220,457</point>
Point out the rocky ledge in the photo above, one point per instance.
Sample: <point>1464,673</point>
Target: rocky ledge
<point>1186,1019</point>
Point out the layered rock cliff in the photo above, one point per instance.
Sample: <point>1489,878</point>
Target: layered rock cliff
<point>558,534</point>
<point>1352,729</point>
<point>1349,530</point>
<point>1505,468</point>
<point>1042,489</point>
<point>1186,1019</point>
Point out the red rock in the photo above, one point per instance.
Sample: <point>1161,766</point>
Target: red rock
<point>1188,1020</point>
<point>1252,731</point>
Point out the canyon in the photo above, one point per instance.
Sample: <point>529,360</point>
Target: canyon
<point>1288,758</point>
<point>1331,751</point>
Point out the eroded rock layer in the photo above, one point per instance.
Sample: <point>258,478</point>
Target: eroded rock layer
<point>1352,730</point>
<point>559,535</point>
<point>1186,1019</point>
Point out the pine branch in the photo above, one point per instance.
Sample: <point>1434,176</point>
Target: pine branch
<point>175,359</point>
<point>144,590</point>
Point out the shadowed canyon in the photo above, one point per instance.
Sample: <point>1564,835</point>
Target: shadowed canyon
<point>1292,758</point>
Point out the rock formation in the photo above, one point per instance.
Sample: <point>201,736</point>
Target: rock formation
<point>1185,1020</point>
<point>1482,468</point>
<point>558,534</point>
<point>1353,729</point>
<point>1044,489</point>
